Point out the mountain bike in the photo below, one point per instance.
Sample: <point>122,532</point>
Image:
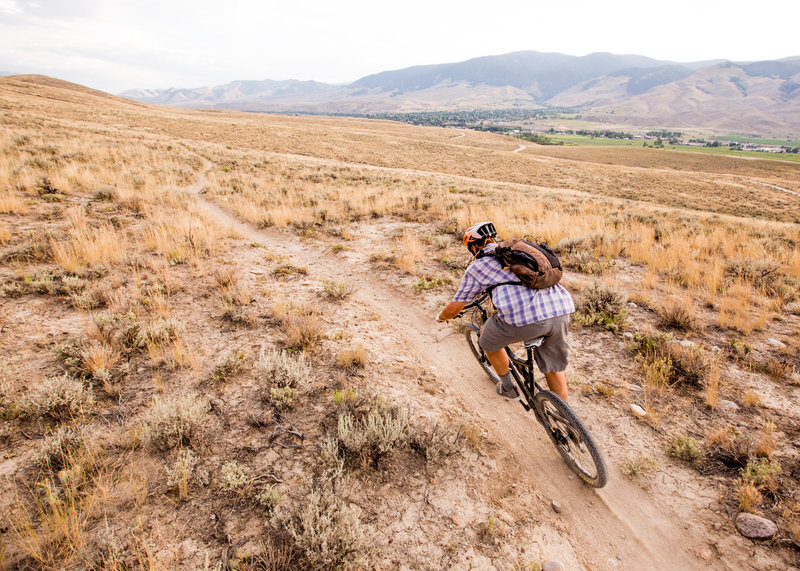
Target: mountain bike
<point>569,435</point>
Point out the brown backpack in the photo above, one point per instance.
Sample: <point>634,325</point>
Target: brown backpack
<point>534,264</point>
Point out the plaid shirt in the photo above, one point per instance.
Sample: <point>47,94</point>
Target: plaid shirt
<point>517,305</point>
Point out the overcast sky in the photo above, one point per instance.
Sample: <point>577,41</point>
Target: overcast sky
<point>118,45</point>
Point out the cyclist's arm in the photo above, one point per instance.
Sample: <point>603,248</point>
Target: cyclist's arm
<point>468,290</point>
<point>451,310</point>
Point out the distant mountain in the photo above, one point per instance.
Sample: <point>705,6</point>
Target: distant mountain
<point>236,91</point>
<point>751,98</point>
<point>542,75</point>
<point>761,97</point>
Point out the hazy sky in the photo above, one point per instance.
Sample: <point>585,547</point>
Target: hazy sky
<point>118,45</point>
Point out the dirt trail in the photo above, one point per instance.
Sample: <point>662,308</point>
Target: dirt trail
<point>618,527</point>
<point>786,190</point>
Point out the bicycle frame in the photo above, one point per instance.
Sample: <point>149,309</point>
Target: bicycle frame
<point>570,437</point>
<point>521,369</point>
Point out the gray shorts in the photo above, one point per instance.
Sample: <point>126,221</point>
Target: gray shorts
<point>551,356</point>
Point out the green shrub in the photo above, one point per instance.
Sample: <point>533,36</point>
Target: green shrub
<point>282,397</point>
<point>337,290</point>
<point>761,473</point>
<point>229,366</point>
<point>425,283</point>
<point>268,497</point>
<point>685,448</point>
<point>601,304</point>
<point>235,477</point>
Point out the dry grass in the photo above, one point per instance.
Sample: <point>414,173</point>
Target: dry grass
<point>749,496</point>
<point>91,211</point>
<point>302,332</point>
<point>337,290</point>
<point>284,369</point>
<point>59,398</point>
<point>355,358</point>
<point>173,422</point>
<point>87,246</point>
<point>325,531</point>
<point>12,203</point>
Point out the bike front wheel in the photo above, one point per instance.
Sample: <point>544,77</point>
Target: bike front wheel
<point>571,438</point>
<point>473,333</point>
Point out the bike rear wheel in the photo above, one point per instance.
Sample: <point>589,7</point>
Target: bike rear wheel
<point>571,438</point>
<point>473,333</point>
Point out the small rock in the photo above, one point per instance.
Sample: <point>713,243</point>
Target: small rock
<point>619,556</point>
<point>728,406</point>
<point>638,411</point>
<point>715,349</point>
<point>705,555</point>
<point>628,335</point>
<point>553,566</point>
<point>687,343</point>
<point>570,477</point>
<point>556,507</point>
<point>775,342</point>
<point>755,527</point>
<point>632,387</point>
<point>633,305</point>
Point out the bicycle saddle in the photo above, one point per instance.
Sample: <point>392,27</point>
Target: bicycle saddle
<point>535,342</point>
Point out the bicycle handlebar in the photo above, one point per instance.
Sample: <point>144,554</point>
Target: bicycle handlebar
<point>477,302</point>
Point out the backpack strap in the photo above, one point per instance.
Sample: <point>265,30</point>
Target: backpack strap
<point>491,288</point>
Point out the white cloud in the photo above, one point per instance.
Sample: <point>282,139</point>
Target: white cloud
<point>152,43</point>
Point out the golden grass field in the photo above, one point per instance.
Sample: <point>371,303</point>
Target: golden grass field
<point>149,348</point>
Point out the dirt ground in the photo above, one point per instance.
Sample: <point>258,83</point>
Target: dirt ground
<point>672,519</point>
<point>502,499</point>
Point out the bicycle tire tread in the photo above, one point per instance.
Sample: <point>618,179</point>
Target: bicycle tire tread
<point>601,479</point>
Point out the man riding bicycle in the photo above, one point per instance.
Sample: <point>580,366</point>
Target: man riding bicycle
<point>523,313</point>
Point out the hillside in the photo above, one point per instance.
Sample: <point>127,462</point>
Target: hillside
<point>751,98</point>
<point>727,96</point>
<point>204,312</point>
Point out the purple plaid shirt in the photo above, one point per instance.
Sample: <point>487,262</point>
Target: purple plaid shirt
<point>516,304</point>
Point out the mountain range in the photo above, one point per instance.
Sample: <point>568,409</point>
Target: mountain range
<point>746,97</point>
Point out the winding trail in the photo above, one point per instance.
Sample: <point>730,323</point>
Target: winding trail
<point>521,148</point>
<point>786,190</point>
<point>618,527</point>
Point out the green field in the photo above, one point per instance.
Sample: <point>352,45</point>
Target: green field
<point>577,140</point>
<point>762,141</point>
<point>582,140</point>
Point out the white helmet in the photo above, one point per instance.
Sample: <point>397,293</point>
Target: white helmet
<point>478,235</point>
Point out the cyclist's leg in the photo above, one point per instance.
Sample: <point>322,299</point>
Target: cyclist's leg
<point>499,360</point>
<point>557,382</point>
<point>496,335</point>
<point>552,356</point>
